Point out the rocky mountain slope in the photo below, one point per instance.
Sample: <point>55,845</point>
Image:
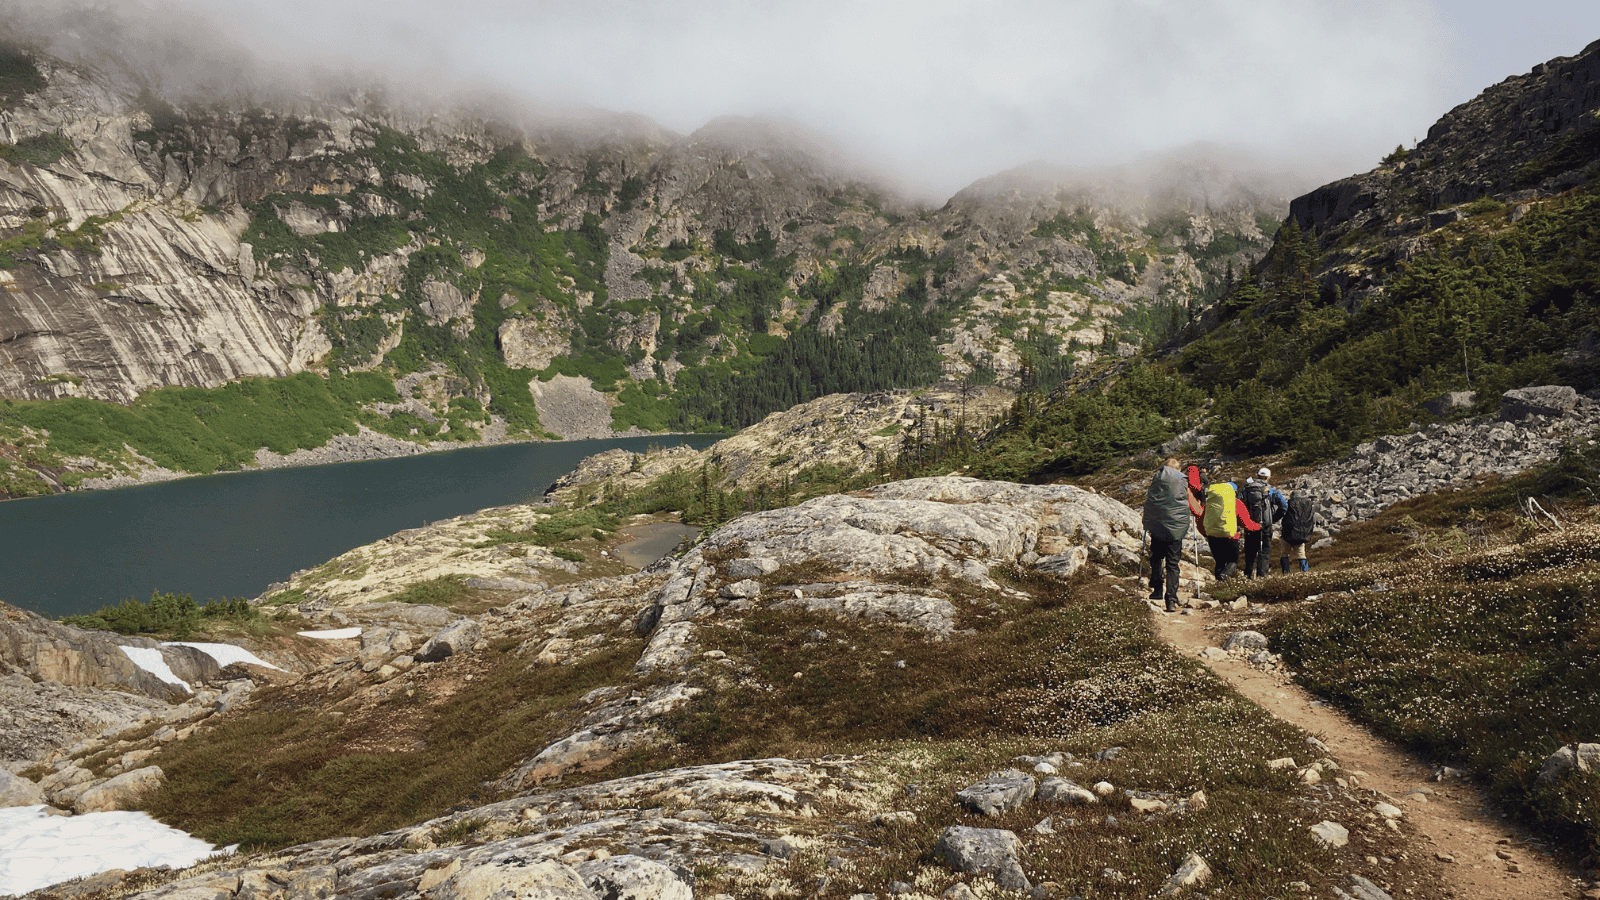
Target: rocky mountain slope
<point>1460,268</point>
<point>1529,138</point>
<point>496,270</point>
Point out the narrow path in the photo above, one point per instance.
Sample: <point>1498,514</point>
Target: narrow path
<point>1453,823</point>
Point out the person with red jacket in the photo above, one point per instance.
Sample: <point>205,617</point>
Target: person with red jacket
<point>1224,542</point>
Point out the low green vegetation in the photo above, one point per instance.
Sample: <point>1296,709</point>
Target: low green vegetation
<point>559,527</point>
<point>19,75</point>
<point>445,591</point>
<point>171,616</point>
<point>1478,638</point>
<point>1488,308</point>
<point>1071,435</point>
<point>1483,663</point>
<point>1027,679</point>
<point>199,430</point>
<point>37,150</point>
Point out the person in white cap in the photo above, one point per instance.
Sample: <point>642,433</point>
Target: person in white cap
<point>1266,506</point>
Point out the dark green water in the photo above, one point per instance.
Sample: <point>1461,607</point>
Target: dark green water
<point>232,535</point>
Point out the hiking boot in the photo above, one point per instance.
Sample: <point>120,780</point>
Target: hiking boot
<point>1284,561</point>
<point>1172,605</point>
<point>1305,565</point>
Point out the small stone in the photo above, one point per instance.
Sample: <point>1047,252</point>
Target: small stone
<point>1331,835</point>
<point>1387,810</point>
<point>1197,801</point>
<point>1104,789</point>
<point>1444,857</point>
<point>1193,872</point>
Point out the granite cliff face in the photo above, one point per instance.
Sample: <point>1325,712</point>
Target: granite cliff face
<point>118,281</point>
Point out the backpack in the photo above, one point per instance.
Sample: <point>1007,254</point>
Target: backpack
<point>1221,518</point>
<point>1302,518</point>
<point>1258,502</point>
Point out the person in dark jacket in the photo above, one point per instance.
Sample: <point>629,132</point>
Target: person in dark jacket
<point>1298,524</point>
<point>1166,520</point>
<point>1266,506</point>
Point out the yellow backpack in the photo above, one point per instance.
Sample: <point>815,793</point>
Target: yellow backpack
<point>1222,517</point>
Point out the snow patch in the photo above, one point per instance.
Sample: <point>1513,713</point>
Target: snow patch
<point>38,850</point>
<point>149,659</point>
<point>224,654</point>
<point>334,635</point>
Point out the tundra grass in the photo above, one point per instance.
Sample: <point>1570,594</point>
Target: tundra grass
<point>1063,668</point>
<point>1483,660</point>
<point>1070,669</point>
<point>306,766</point>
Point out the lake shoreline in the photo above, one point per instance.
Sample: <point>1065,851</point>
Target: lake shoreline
<point>364,445</point>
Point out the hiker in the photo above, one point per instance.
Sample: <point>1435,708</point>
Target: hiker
<point>1224,513</point>
<point>1298,524</point>
<point>1166,520</point>
<point>1266,505</point>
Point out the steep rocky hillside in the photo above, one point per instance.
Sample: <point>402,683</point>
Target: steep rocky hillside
<point>1527,139</point>
<point>1426,288</point>
<point>696,281</point>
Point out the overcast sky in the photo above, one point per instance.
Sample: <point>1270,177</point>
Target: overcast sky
<point>936,92</point>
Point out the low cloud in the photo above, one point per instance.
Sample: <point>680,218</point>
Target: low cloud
<point>935,93</point>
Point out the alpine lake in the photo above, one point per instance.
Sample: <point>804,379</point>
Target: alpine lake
<point>232,535</point>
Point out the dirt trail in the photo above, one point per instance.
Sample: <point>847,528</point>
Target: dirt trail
<point>1454,821</point>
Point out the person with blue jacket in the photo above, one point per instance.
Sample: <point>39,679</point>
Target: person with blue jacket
<point>1267,506</point>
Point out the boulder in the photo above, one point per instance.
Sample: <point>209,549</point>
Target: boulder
<point>18,791</point>
<point>988,851</point>
<point>1451,402</point>
<point>1545,400</point>
<point>1583,757</point>
<point>1192,873</point>
<point>49,651</point>
<point>515,877</point>
<point>112,793</point>
<point>1331,835</point>
<point>455,639</point>
<point>1363,889</point>
<point>1060,790</point>
<point>630,877</point>
<point>998,794</point>
<point>1245,640</point>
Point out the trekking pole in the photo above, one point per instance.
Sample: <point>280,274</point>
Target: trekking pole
<point>1144,545</point>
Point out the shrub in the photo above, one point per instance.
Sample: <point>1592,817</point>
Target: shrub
<point>175,615</point>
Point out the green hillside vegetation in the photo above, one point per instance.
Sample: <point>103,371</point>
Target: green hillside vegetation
<point>200,431</point>
<point>1490,306</point>
<point>174,617</point>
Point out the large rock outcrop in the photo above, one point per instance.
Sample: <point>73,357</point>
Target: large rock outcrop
<point>892,553</point>
<point>43,650</point>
